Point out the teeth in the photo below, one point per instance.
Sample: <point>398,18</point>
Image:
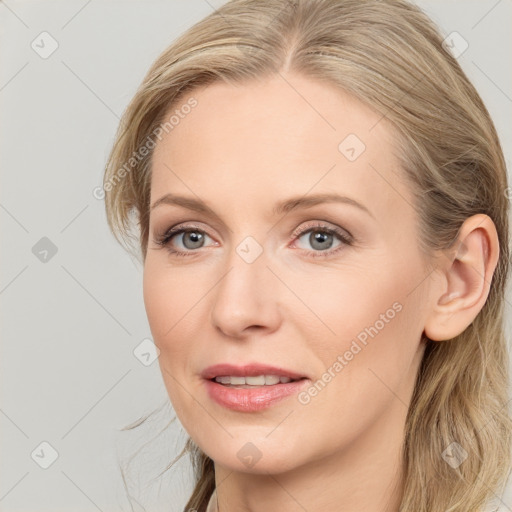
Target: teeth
<point>252,381</point>
<point>259,380</point>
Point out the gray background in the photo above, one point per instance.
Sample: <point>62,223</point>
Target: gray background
<point>70,323</point>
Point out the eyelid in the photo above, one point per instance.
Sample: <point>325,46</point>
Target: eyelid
<point>320,224</point>
<point>298,231</point>
<point>176,227</point>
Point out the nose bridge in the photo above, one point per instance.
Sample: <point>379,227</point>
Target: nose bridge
<point>245,296</point>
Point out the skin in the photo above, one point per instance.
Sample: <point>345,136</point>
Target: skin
<point>241,150</point>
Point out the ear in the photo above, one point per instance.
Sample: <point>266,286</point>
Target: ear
<point>465,281</point>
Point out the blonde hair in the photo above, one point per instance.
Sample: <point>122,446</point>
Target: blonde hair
<point>389,55</point>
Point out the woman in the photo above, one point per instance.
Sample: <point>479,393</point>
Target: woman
<point>370,374</point>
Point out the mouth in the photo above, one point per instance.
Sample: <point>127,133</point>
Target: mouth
<point>258,374</point>
<point>251,387</point>
<point>235,394</point>
<point>255,381</point>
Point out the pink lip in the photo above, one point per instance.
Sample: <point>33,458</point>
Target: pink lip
<point>251,400</point>
<point>248,370</point>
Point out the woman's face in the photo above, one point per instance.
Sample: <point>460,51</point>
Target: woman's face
<point>334,291</point>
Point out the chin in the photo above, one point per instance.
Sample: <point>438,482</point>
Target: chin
<point>255,454</point>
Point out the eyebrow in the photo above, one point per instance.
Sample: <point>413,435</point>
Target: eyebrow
<point>284,207</point>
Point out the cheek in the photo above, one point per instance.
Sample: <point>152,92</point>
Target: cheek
<point>168,302</point>
<point>346,303</point>
<point>367,299</point>
<point>169,293</point>
<point>364,321</point>
<point>158,301</point>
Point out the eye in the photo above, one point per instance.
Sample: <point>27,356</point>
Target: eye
<point>321,238</point>
<point>192,237</point>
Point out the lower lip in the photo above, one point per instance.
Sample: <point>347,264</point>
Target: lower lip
<point>250,400</point>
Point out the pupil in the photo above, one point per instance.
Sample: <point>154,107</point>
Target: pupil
<point>320,237</point>
<point>195,239</point>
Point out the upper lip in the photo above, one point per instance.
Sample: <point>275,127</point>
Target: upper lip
<point>248,370</point>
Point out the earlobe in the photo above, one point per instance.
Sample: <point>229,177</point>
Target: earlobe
<point>466,276</point>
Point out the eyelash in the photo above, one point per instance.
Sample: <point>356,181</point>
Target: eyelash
<point>164,239</point>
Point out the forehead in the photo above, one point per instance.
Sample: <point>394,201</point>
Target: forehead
<point>278,137</point>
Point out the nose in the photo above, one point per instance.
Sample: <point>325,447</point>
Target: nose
<point>246,300</point>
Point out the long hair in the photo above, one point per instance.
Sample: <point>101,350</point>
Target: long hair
<point>389,55</point>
